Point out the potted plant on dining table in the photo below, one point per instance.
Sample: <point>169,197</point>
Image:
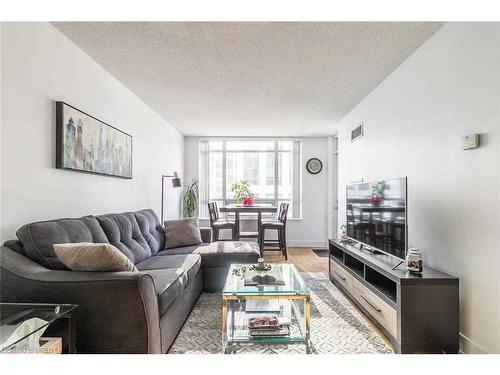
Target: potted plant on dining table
<point>242,193</point>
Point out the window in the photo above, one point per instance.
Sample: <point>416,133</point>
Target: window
<point>271,167</point>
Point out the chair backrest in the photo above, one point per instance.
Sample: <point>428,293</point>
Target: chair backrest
<point>283,213</point>
<point>213,212</point>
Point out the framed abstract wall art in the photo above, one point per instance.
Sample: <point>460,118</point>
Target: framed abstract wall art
<point>86,144</point>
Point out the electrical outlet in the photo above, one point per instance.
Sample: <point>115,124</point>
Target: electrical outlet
<point>469,141</point>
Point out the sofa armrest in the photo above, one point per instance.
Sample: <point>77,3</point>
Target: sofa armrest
<point>206,234</point>
<point>117,313</point>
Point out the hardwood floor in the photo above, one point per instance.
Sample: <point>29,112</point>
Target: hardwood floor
<point>304,259</point>
<point>307,261</point>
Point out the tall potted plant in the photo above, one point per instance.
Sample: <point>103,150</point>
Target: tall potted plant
<point>190,198</point>
<point>242,193</point>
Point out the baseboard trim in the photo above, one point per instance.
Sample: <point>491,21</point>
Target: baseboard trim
<point>468,346</point>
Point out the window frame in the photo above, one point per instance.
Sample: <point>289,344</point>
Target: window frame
<point>296,198</point>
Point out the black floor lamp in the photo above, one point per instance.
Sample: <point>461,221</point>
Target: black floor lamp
<point>176,183</point>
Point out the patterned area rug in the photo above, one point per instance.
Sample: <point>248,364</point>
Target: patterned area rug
<point>336,326</point>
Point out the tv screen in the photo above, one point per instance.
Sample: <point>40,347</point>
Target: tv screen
<point>376,215</point>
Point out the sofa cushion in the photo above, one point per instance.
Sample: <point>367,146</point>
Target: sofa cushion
<point>151,229</point>
<point>123,232</point>
<point>182,232</point>
<point>221,253</point>
<point>180,250</point>
<point>38,238</point>
<point>93,257</point>
<point>190,264</point>
<point>169,285</point>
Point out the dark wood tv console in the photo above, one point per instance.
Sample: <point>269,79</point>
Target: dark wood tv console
<point>418,313</point>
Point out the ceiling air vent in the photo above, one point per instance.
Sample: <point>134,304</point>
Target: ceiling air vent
<point>357,132</point>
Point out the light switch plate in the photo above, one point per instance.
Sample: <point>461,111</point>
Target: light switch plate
<point>469,141</point>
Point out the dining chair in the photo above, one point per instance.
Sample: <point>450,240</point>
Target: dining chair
<point>279,225</point>
<point>216,223</point>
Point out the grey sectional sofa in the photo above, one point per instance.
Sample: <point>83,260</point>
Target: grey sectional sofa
<point>119,312</point>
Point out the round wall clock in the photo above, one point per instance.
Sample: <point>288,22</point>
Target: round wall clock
<point>314,166</point>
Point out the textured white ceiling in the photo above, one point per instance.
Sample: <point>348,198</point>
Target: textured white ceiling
<point>250,78</point>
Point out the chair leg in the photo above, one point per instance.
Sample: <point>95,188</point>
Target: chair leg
<point>283,240</point>
<point>215,234</point>
<point>261,241</point>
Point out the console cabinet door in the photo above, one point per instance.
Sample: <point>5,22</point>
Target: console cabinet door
<point>385,314</point>
<point>341,276</point>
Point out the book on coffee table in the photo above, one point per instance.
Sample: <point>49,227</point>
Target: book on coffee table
<point>268,326</point>
<point>285,331</point>
<point>263,322</point>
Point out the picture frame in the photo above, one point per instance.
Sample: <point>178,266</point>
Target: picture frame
<point>89,145</point>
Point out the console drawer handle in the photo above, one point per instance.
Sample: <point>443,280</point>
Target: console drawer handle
<point>339,275</point>
<point>370,303</point>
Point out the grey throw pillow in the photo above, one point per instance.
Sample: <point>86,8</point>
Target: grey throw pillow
<point>87,256</point>
<point>182,232</point>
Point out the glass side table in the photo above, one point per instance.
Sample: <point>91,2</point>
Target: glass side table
<point>20,321</point>
<point>289,302</point>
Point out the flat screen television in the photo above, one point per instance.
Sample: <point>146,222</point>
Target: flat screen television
<point>377,215</point>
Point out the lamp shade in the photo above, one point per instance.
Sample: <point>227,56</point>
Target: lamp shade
<point>176,182</point>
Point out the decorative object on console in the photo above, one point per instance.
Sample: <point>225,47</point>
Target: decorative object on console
<point>314,166</point>
<point>344,238</point>
<point>414,261</point>
<point>176,183</point>
<point>242,193</point>
<point>86,144</point>
<point>190,199</point>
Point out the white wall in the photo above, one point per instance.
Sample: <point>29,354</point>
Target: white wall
<point>311,230</point>
<point>413,121</point>
<point>39,66</point>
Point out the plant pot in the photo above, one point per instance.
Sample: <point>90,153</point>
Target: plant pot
<point>376,200</point>
<point>247,201</point>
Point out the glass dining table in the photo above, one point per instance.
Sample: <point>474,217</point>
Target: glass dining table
<point>237,210</point>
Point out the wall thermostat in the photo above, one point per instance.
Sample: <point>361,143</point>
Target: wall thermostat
<point>469,141</point>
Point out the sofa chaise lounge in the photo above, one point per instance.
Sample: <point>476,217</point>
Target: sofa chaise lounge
<point>119,312</point>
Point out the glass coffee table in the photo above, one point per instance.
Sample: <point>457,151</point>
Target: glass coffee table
<point>19,321</point>
<point>288,304</point>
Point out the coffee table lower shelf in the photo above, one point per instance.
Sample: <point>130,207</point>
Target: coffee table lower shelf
<point>295,308</point>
